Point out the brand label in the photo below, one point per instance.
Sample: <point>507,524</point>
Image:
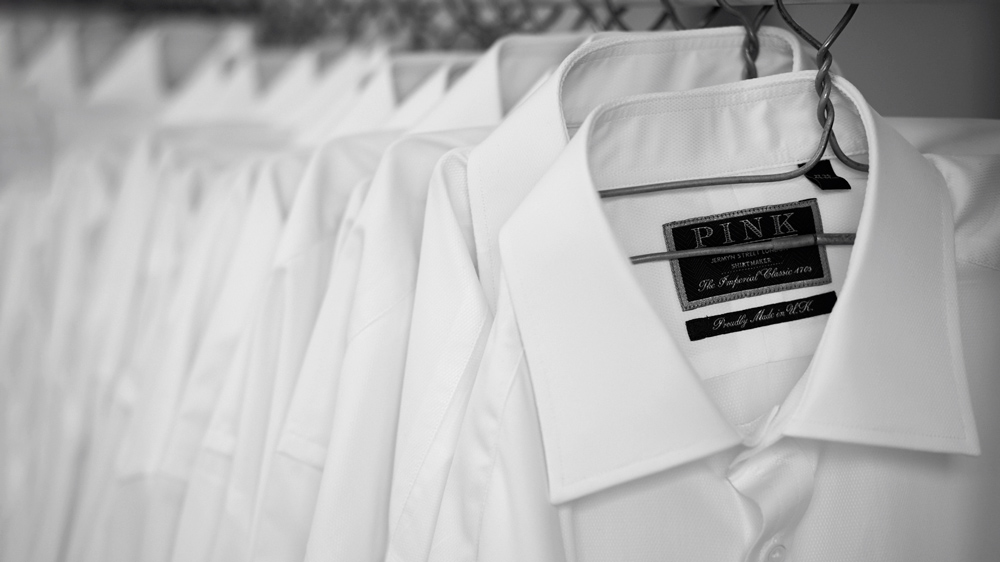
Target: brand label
<point>760,316</point>
<point>702,281</point>
<point>823,177</point>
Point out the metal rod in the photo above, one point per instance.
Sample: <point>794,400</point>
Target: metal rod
<point>783,243</point>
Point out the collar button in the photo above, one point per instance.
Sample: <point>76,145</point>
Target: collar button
<point>778,553</point>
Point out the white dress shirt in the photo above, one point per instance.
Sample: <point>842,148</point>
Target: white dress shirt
<point>22,326</point>
<point>198,457</point>
<point>137,283</point>
<point>471,196</point>
<point>85,182</point>
<point>54,73</point>
<point>217,515</point>
<point>294,84</point>
<point>950,136</point>
<point>396,84</point>
<point>291,481</point>
<point>136,76</point>
<point>373,272</point>
<point>297,288</point>
<point>600,431</point>
<point>331,95</point>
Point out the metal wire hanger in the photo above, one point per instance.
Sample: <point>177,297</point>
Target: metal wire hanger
<point>751,45</point>
<point>826,115</point>
<point>824,61</point>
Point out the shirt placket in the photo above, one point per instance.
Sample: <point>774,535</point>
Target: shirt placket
<point>778,480</point>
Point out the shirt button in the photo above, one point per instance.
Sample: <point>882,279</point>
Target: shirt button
<point>776,554</point>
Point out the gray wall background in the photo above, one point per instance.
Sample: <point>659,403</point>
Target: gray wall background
<point>929,60</point>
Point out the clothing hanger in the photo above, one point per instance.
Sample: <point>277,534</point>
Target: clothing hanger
<point>751,46</point>
<point>775,244</point>
<point>825,60</point>
<point>589,12</point>
<point>541,24</point>
<point>826,115</point>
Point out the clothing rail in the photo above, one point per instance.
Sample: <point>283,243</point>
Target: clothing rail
<point>761,2</point>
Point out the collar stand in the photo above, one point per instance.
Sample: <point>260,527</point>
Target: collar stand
<point>616,65</point>
<point>738,129</point>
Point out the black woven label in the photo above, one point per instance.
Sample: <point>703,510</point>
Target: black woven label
<point>702,281</point>
<point>823,177</point>
<point>760,316</point>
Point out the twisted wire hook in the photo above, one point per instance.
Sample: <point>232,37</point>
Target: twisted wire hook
<point>751,45</point>
<point>535,25</point>
<point>824,85</point>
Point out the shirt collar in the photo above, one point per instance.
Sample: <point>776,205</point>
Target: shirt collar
<point>55,72</point>
<point>291,86</point>
<point>221,87</point>
<point>7,63</point>
<point>394,80</point>
<point>426,96</point>
<point>136,77</point>
<point>617,399</point>
<point>334,95</point>
<point>509,162</point>
<point>500,78</point>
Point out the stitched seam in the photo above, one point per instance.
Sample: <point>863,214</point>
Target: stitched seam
<point>313,245</point>
<point>712,102</point>
<point>599,56</point>
<point>628,468</point>
<point>975,262</point>
<point>535,50</point>
<point>308,441</point>
<point>690,45</point>
<point>437,431</point>
<point>879,430</point>
<point>495,449</point>
<point>487,225</point>
<point>379,316</point>
<point>946,217</point>
<point>530,318</point>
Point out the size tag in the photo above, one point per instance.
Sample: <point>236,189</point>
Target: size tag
<point>702,281</point>
<point>823,177</point>
<point>760,316</point>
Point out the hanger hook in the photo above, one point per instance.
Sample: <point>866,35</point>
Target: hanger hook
<point>466,16</point>
<point>824,60</point>
<point>586,13</point>
<point>751,45</point>
<point>614,15</point>
<point>533,24</point>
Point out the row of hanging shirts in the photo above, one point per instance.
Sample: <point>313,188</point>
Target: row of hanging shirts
<point>370,306</point>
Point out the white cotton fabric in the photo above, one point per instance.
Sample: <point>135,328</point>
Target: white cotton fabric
<point>346,418</point>
<point>216,522</point>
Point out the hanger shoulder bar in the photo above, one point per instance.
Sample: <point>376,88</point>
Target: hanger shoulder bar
<point>783,243</point>
<point>712,3</point>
